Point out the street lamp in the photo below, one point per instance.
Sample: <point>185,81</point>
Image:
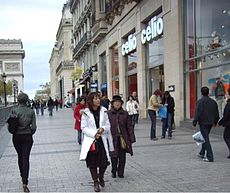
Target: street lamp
<point>4,82</point>
<point>14,88</point>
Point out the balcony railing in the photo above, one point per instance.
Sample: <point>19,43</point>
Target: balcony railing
<point>82,43</point>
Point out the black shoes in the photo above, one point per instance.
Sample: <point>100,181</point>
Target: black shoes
<point>154,139</point>
<point>228,157</point>
<point>96,186</point>
<point>200,156</point>
<point>102,182</point>
<point>113,174</point>
<point>120,176</point>
<point>25,188</point>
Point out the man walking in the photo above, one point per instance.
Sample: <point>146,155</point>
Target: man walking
<point>207,115</point>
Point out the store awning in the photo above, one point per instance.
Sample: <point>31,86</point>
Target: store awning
<point>85,76</point>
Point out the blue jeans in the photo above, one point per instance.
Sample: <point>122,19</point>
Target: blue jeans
<point>206,146</point>
<point>152,115</point>
<point>167,123</point>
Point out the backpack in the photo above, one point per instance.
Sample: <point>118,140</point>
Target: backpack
<point>13,122</point>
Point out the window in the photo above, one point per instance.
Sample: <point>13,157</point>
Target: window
<point>102,5</point>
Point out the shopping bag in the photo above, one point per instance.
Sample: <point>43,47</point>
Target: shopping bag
<point>163,112</point>
<point>198,138</point>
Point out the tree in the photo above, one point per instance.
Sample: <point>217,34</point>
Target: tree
<point>76,73</point>
<point>9,87</point>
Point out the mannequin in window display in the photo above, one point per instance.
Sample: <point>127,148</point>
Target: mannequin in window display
<point>220,95</point>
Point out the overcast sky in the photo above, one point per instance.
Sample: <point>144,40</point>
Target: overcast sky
<point>35,22</point>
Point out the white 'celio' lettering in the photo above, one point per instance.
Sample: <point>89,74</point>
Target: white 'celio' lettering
<point>152,31</point>
<point>130,45</point>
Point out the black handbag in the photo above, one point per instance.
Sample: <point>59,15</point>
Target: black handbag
<point>13,122</point>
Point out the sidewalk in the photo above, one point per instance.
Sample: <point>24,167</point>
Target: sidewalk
<point>157,166</point>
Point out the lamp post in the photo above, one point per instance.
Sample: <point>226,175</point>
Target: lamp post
<point>14,89</point>
<point>4,82</point>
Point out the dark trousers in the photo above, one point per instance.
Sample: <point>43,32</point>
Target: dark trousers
<point>227,137</point>
<point>152,115</point>
<point>79,134</point>
<point>23,144</point>
<point>167,124</point>
<point>206,146</point>
<point>118,163</point>
<point>133,119</point>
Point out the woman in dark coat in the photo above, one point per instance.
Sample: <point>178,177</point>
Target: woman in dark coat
<point>121,124</point>
<point>23,137</point>
<point>225,121</point>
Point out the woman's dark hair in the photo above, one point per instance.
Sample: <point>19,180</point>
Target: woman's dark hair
<point>90,98</point>
<point>131,97</point>
<point>81,99</point>
<point>205,91</point>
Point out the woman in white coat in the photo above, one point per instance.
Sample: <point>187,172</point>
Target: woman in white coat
<point>132,108</point>
<point>97,142</point>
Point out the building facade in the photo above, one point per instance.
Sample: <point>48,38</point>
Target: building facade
<point>144,45</point>
<point>61,64</point>
<point>85,51</point>
<point>11,62</point>
<point>163,44</point>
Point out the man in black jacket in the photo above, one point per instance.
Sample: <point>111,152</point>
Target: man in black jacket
<point>225,121</point>
<point>207,115</point>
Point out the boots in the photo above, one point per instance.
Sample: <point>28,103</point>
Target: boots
<point>94,175</point>
<point>101,176</point>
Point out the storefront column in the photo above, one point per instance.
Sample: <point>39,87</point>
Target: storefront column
<point>123,81</point>
<point>141,73</point>
<point>109,71</point>
<point>173,62</point>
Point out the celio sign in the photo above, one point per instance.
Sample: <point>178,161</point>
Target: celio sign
<point>150,32</point>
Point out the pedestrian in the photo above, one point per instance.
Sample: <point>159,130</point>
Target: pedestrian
<point>43,106</point>
<point>132,108</point>
<point>97,141</point>
<point>220,95</point>
<point>105,101</point>
<point>206,115</point>
<point>78,111</point>
<point>22,138</point>
<point>60,103</point>
<point>225,121</point>
<point>121,127</point>
<point>50,105</point>
<point>37,106</point>
<point>153,107</point>
<point>56,104</point>
<point>134,94</point>
<point>167,122</point>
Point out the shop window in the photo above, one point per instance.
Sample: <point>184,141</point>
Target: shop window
<point>207,51</point>
<point>131,61</point>
<point>102,5</point>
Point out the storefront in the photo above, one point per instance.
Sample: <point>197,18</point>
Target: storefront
<point>144,52</point>
<point>207,51</point>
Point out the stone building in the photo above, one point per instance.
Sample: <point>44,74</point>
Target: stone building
<point>11,62</point>
<point>142,45</point>
<point>61,64</point>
